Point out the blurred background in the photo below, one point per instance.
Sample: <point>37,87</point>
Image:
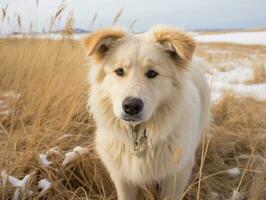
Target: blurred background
<point>140,14</point>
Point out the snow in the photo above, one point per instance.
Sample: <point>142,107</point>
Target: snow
<point>73,155</point>
<point>20,185</point>
<point>235,80</point>
<point>80,149</point>
<point>15,182</point>
<point>44,161</point>
<point>247,38</point>
<point>69,157</point>
<point>234,171</point>
<point>44,185</point>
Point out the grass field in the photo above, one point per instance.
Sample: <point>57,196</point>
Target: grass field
<point>43,92</point>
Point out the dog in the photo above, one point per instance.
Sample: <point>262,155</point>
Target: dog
<point>150,100</point>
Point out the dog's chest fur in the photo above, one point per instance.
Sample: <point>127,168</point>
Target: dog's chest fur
<point>156,162</point>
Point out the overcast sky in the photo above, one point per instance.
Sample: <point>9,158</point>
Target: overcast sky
<point>190,14</point>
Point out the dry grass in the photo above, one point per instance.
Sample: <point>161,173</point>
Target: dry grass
<point>214,32</point>
<point>221,52</point>
<point>259,72</point>
<point>50,77</point>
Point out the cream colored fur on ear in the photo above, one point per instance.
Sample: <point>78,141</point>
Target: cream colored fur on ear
<point>95,40</point>
<point>174,39</point>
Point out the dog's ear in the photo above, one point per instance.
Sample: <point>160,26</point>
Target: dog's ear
<point>100,42</point>
<point>179,45</point>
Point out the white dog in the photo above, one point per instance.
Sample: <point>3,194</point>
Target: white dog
<point>150,102</point>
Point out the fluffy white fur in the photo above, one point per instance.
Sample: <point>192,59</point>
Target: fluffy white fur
<point>175,106</point>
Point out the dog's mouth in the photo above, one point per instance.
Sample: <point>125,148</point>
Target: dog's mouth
<point>133,119</point>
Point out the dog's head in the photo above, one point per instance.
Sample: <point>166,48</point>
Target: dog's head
<point>138,72</point>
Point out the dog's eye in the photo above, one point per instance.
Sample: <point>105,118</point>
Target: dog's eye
<point>120,72</point>
<point>151,74</point>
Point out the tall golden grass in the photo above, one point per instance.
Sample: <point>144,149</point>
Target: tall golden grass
<point>259,71</point>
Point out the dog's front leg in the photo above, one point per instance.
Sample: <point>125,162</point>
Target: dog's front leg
<point>173,186</point>
<point>125,190</point>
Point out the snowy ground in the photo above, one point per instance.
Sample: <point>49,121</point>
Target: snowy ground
<point>235,80</point>
<point>231,69</point>
<point>248,38</point>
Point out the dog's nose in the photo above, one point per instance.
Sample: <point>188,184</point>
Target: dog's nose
<point>132,106</point>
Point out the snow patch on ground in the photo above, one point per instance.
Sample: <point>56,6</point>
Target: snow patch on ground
<point>235,80</point>
<point>73,155</point>
<point>20,185</point>
<point>248,38</point>
<point>44,161</point>
<point>15,182</point>
<point>44,185</point>
<point>234,171</point>
<point>68,157</point>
